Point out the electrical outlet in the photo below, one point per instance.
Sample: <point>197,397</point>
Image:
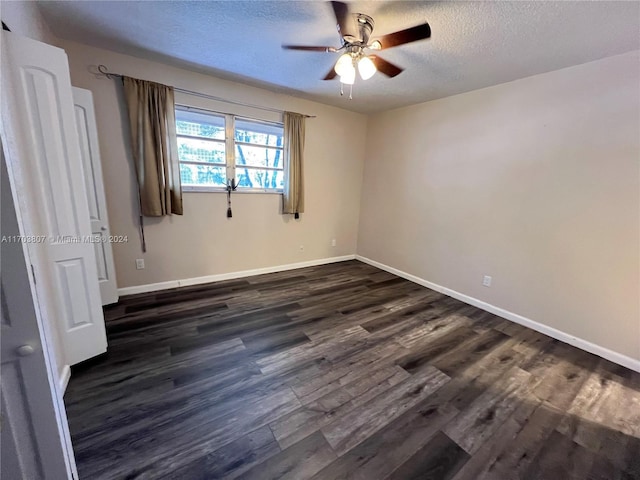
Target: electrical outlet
<point>139,263</point>
<point>333,242</point>
<point>301,248</point>
<point>486,281</point>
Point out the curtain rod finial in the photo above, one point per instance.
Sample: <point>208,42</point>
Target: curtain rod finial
<point>103,70</point>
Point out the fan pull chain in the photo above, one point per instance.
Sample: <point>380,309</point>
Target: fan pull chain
<point>350,90</point>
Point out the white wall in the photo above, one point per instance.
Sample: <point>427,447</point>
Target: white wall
<point>534,182</point>
<point>25,19</point>
<point>203,241</point>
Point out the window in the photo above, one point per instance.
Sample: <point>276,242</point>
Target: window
<point>258,154</point>
<point>214,148</point>
<point>201,149</point>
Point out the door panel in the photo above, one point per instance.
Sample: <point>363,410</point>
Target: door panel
<point>52,193</point>
<point>42,102</point>
<point>71,274</point>
<point>101,264</point>
<point>82,123</point>
<point>96,200</point>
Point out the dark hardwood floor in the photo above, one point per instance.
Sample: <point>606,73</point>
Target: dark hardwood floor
<point>343,371</point>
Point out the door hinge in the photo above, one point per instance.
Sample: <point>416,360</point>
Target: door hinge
<point>33,272</point>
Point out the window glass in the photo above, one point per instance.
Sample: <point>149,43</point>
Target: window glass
<point>258,178</point>
<point>259,133</point>
<point>198,124</point>
<point>194,150</point>
<point>202,175</point>
<point>258,156</point>
<point>257,162</point>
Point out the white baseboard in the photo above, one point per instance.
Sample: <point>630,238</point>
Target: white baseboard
<point>63,381</point>
<point>603,352</point>
<point>153,287</point>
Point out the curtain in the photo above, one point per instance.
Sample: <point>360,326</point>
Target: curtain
<point>155,153</point>
<point>293,196</point>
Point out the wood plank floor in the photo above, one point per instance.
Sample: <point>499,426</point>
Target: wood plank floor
<point>343,371</point>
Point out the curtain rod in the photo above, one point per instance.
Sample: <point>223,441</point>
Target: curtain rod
<point>105,71</point>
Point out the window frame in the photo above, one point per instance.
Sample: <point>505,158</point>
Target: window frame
<point>230,143</point>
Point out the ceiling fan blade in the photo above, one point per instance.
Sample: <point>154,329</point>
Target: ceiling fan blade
<point>413,34</point>
<point>309,48</point>
<point>344,19</point>
<point>389,69</point>
<point>331,75</point>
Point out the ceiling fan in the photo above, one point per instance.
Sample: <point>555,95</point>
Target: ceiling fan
<point>355,31</point>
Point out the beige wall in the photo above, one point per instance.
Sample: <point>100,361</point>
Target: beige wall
<point>534,182</point>
<point>203,241</point>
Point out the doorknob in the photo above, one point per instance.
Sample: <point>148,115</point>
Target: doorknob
<point>24,350</point>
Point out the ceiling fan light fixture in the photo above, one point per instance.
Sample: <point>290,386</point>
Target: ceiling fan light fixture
<point>367,68</point>
<point>348,77</point>
<point>355,31</point>
<point>344,64</point>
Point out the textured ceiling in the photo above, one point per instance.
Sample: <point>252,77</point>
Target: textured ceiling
<point>473,44</point>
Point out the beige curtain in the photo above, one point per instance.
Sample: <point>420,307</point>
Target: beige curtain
<point>293,196</point>
<point>152,120</point>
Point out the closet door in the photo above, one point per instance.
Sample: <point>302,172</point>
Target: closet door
<point>45,168</point>
<point>96,200</point>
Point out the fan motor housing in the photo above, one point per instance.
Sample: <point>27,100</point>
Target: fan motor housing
<point>364,25</point>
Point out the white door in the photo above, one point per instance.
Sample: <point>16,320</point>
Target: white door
<point>96,200</point>
<point>35,437</point>
<point>45,169</point>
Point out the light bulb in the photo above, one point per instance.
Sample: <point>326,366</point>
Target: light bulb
<point>376,45</point>
<point>348,77</point>
<point>344,63</point>
<point>366,67</point>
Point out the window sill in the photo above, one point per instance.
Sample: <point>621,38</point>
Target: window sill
<point>196,189</point>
